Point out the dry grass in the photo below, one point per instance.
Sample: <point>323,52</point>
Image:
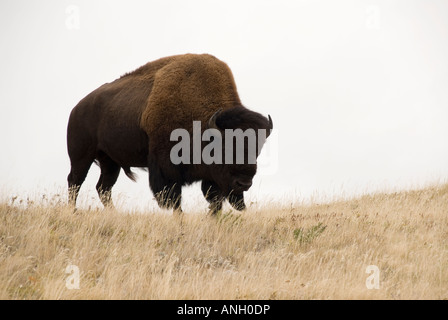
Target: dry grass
<point>287,252</point>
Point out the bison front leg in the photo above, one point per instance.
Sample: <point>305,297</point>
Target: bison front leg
<point>167,193</point>
<point>237,201</point>
<point>213,195</point>
<point>169,197</point>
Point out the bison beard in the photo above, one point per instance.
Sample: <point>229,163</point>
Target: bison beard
<point>127,123</point>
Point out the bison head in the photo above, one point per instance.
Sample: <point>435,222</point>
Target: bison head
<point>243,134</point>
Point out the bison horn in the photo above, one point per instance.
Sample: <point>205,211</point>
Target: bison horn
<point>212,121</point>
<point>271,125</point>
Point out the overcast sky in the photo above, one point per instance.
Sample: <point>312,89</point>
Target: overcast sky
<point>358,90</point>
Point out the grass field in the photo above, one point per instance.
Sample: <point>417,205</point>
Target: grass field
<point>278,251</point>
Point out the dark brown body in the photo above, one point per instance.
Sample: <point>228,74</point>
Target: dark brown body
<point>127,123</point>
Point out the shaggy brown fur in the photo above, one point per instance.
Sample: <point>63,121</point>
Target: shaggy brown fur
<point>128,122</point>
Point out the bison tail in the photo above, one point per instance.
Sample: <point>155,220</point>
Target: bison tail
<point>131,175</point>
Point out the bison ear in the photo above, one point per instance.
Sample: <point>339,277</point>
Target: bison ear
<point>212,120</point>
<point>271,126</point>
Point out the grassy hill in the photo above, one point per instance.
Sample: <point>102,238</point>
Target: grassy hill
<point>281,251</point>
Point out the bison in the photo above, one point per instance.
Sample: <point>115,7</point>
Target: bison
<point>127,123</point>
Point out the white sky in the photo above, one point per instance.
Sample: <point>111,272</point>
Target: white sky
<point>358,90</point>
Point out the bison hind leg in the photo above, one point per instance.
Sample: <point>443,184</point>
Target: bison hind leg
<point>109,175</point>
<point>77,175</point>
